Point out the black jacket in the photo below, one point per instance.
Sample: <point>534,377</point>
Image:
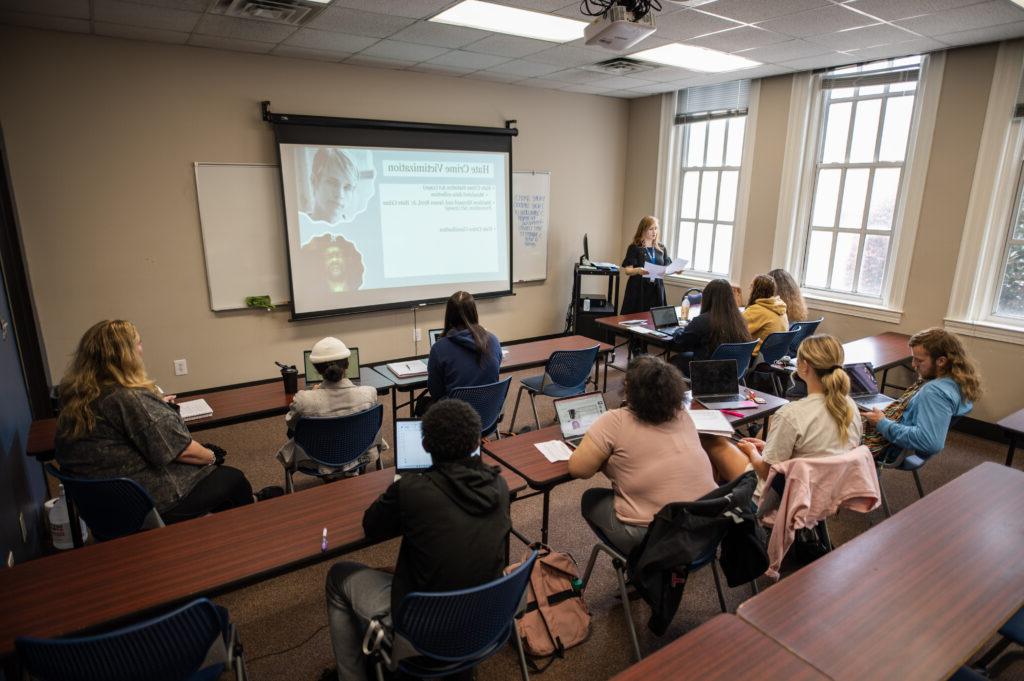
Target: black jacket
<point>453,520</point>
<point>642,294</point>
<point>695,337</point>
<point>682,532</point>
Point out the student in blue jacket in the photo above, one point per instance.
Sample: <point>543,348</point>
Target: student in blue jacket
<point>947,387</point>
<point>465,355</point>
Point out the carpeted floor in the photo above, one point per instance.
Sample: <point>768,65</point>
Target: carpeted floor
<point>283,625</point>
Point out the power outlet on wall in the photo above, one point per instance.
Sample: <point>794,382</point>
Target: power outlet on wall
<point>417,334</point>
<point>180,367</point>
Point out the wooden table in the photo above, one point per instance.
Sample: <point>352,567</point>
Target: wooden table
<point>725,648</point>
<point>1012,425</point>
<point>884,351</point>
<point>230,405</point>
<point>916,595</point>
<point>103,583</point>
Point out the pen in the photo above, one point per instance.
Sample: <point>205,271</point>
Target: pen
<point>323,542</point>
<point>732,413</point>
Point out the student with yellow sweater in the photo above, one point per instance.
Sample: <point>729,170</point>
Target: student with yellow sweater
<point>765,313</point>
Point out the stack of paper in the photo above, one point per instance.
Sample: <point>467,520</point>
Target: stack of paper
<point>711,422</point>
<point>554,450</point>
<point>416,367</point>
<point>194,409</point>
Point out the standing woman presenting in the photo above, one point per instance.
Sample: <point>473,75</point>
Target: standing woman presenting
<point>643,294</point>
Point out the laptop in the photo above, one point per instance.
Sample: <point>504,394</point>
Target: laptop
<point>313,376</point>
<point>433,335</point>
<point>666,319</point>
<point>576,414</point>
<point>716,385</point>
<point>864,387</point>
<point>409,453</point>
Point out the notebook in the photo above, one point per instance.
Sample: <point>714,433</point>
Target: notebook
<point>313,376</point>
<point>864,388</point>
<point>410,456</point>
<point>576,414</point>
<point>716,385</point>
<point>410,369</point>
<point>194,409</point>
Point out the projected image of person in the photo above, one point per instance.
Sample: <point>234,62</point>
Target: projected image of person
<point>331,264</point>
<point>338,190</point>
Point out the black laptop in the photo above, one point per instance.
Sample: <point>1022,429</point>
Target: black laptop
<point>666,319</point>
<point>313,376</point>
<point>716,385</point>
<point>864,387</point>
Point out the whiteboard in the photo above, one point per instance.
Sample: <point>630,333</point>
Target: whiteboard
<point>531,193</point>
<point>242,221</point>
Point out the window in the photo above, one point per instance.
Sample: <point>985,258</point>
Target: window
<point>1010,298</point>
<point>709,126</point>
<point>867,114</point>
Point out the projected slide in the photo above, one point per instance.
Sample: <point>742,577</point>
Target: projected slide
<point>376,226</point>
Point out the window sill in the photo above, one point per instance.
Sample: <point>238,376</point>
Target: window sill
<point>691,280</point>
<point>985,329</point>
<point>864,310</point>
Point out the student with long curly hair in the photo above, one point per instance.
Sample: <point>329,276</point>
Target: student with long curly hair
<point>765,313</point>
<point>787,289</point>
<point>948,386</point>
<point>113,423</point>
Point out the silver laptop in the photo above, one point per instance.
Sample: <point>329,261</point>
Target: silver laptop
<point>313,376</point>
<point>864,387</point>
<point>410,456</point>
<point>666,320</point>
<point>576,414</point>
<point>716,385</point>
<point>433,335</point>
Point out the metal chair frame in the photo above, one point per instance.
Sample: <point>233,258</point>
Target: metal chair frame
<point>488,401</point>
<point>111,507</point>
<point>554,372</point>
<point>366,424</point>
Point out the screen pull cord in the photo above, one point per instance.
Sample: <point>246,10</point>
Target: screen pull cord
<point>415,340</point>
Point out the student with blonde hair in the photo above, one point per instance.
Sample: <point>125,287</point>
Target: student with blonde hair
<point>787,289</point>
<point>824,423</point>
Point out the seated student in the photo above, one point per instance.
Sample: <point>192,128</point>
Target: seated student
<point>719,322</point>
<point>335,396</point>
<point>649,450</point>
<point>453,519</point>
<point>787,289</point>
<point>823,424</point>
<point>113,423</point>
<point>765,313</point>
<point>947,387</point>
<point>466,354</point>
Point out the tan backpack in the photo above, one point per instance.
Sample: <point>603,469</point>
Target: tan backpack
<point>555,618</point>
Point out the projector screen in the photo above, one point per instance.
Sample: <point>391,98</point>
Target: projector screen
<point>384,217</point>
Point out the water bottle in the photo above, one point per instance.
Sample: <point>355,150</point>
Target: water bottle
<point>686,308</point>
<point>60,525</point>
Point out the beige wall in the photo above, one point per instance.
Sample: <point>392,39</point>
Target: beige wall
<point>102,135</point>
<point>963,100</point>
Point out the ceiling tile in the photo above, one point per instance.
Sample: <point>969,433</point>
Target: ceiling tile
<point>116,12</point>
<point>44,22</point>
<point>689,24</point>
<point>585,89</point>
<point>665,74</point>
<point>542,5</point>
<point>244,29</point>
<point>975,16</point>
<point>794,49</point>
<point>156,35</point>
<point>326,40</point>
<point>187,5</point>
<point>577,76</point>
<point>355,22</point>
<point>860,38</point>
<point>544,83</point>
<point>984,35</point>
<point>760,10</point>
<point>820,62</point>
<point>653,88</point>
<point>757,72</point>
<point>71,9</point>
<point>414,9</point>
<point>439,35</point>
<point>441,70</point>
<point>735,39</point>
<point>625,94</point>
<point>525,69</point>
<point>570,55</point>
<point>221,43</point>
<point>473,61</point>
<point>907,48</point>
<point>377,63</point>
<point>620,82</point>
<point>817,22</point>
<point>495,77</point>
<point>306,53</point>
<point>393,49</point>
<point>507,45</point>
<point>890,11</point>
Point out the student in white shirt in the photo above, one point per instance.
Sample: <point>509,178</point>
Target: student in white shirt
<point>824,423</point>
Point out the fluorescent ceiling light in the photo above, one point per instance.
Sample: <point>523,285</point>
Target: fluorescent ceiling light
<point>488,16</point>
<point>695,58</point>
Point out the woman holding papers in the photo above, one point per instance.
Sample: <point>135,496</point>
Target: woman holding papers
<point>466,354</point>
<point>642,293</point>
<point>114,424</point>
<point>649,450</point>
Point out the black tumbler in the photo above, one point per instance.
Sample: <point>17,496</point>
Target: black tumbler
<point>291,380</point>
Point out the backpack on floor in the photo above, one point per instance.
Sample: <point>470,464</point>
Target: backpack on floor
<point>555,617</point>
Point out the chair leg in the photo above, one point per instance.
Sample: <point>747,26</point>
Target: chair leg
<point>590,565</point>
<point>620,573</point>
<point>718,586</point>
<point>917,481</point>
<point>881,490</point>
<point>523,669</point>
<point>515,410</point>
<point>289,484</point>
<point>379,669</point>
<point>753,587</point>
<point>533,405</point>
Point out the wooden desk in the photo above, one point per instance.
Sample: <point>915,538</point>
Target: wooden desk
<point>230,405</point>
<point>725,648</point>
<point>884,351</point>
<point>107,582</point>
<point>916,595</point>
<point>1012,425</point>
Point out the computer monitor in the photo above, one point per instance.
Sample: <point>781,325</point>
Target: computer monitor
<point>313,376</point>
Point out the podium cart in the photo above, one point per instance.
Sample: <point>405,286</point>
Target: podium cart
<point>586,308</point>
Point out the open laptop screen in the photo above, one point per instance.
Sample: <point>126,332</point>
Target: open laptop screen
<point>862,379</point>
<point>576,414</point>
<point>664,316</point>
<point>433,335</point>
<point>313,376</point>
<point>409,452</point>
<point>714,377</point>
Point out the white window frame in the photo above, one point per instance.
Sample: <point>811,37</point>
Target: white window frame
<point>802,138</point>
<point>667,192</point>
<point>994,195</point>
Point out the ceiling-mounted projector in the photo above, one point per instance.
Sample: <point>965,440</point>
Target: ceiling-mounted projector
<point>618,29</point>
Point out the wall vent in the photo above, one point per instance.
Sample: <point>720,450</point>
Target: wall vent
<point>294,12</point>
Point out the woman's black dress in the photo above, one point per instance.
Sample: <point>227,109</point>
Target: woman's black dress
<point>641,293</point>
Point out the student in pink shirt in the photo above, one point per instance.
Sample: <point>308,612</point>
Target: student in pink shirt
<point>649,450</point>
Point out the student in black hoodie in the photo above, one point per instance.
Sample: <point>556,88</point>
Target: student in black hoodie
<point>458,502</point>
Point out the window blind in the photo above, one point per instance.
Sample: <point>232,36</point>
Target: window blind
<point>708,102</point>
